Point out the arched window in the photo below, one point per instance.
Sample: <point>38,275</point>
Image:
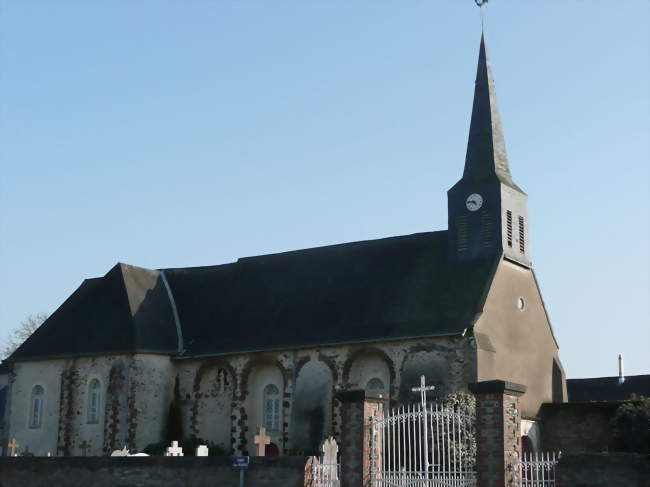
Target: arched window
<point>94,401</point>
<point>271,407</point>
<point>36,413</point>
<point>375,384</point>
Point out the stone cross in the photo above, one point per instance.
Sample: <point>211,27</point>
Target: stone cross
<point>174,450</point>
<point>84,447</point>
<point>330,450</point>
<point>261,440</point>
<point>202,451</point>
<point>13,446</point>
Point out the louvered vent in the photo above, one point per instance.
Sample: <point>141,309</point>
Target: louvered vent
<point>509,227</point>
<point>486,229</point>
<point>462,240</point>
<point>522,241</point>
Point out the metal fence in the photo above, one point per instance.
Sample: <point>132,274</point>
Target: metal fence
<point>538,469</point>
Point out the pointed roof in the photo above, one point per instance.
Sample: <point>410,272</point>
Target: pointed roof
<point>128,310</point>
<point>486,148</point>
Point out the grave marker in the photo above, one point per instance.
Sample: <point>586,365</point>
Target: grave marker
<point>85,446</point>
<point>13,446</point>
<point>261,440</point>
<point>174,450</point>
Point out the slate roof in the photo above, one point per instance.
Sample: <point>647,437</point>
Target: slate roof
<point>608,388</point>
<point>127,310</point>
<point>486,158</point>
<point>399,287</point>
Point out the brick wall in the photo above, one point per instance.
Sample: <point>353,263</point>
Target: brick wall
<point>357,408</point>
<point>148,472</point>
<point>603,470</point>
<point>498,421</point>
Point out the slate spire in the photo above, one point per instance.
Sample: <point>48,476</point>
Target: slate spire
<point>486,148</point>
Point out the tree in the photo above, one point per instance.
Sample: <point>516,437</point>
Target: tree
<point>21,333</point>
<point>631,424</point>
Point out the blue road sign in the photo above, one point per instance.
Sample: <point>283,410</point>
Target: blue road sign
<point>240,462</point>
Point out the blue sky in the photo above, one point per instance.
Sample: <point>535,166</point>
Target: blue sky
<point>168,133</point>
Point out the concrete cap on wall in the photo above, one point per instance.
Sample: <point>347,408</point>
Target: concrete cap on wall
<point>361,395</point>
<point>497,387</point>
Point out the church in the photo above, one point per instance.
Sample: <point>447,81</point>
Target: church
<point>268,341</point>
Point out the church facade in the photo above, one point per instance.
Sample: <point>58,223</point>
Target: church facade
<point>268,341</point>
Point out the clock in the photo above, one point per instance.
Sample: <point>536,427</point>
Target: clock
<point>474,202</point>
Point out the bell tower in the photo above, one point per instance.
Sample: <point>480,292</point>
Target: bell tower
<point>487,211</point>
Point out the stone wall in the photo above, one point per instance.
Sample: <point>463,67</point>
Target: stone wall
<point>308,380</point>
<point>603,470</point>
<point>221,397</point>
<point>135,397</point>
<point>577,427</point>
<point>149,472</point>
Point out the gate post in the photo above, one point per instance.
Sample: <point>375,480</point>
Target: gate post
<point>498,419</point>
<point>355,446</point>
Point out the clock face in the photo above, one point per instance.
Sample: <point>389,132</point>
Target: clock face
<point>474,202</point>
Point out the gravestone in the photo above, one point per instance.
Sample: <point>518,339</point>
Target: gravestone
<point>202,451</point>
<point>13,446</point>
<point>120,453</point>
<point>330,451</point>
<point>174,450</point>
<point>85,446</point>
<point>261,440</point>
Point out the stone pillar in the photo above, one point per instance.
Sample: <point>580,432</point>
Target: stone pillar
<point>357,408</point>
<point>498,420</point>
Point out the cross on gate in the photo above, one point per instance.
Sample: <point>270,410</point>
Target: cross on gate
<point>84,447</point>
<point>261,440</point>
<point>13,446</point>
<point>423,399</point>
<point>423,391</point>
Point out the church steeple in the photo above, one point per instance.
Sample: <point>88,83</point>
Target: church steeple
<point>486,148</point>
<point>487,210</point>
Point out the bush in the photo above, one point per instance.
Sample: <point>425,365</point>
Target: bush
<point>189,447</point>
<point>631,426</point>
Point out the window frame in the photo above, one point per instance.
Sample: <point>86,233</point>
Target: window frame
<point>93,417</point>
<point>376,380</point>
<point>36,405</point>
<point>271,414</point>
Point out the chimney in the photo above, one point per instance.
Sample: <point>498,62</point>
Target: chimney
<point>621,377</point>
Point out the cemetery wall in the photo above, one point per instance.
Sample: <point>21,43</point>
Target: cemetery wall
<point>603,470</point>
<point>577,427</point>
<point>148,472</point>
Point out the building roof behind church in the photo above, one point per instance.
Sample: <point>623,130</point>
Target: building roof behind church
<point>608,388</point>
<point>399,287</point>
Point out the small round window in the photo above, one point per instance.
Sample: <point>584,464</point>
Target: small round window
<point>521,304</point>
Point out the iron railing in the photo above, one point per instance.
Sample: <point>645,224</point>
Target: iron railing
<point>538,469</point>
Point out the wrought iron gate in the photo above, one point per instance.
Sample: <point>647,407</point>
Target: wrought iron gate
<point>424,445</point>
